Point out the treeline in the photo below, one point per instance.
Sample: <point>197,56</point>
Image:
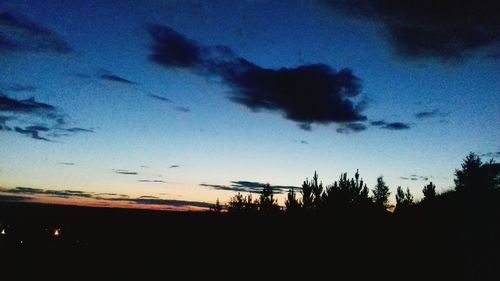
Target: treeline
<point>353,194</point>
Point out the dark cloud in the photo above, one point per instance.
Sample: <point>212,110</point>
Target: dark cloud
<point>20,88</point>
<point>390,125</point>
<point>430,114</point>
<point>79,130</point>
<point>125,172</point>
<point>491,154</point>
<point>443,29</point>
<point>160,98</point>
<point>351,128</point>
<point>174,166</point>
<point>248,186</point>
<point>170,202</point>
<point>19,34</point>
<point>396,126</point>
<point>116,78</point>
<point>29,114</point>
<point>378,123</point>
<point>152,181</point>
<point>23,106</point>
<point>172,49</point>
<point>67,163</point>
<point>57,193</point>
<point>306,94</point>
<point>32,133</point>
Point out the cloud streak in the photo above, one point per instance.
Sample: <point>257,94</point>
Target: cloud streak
<point>116,78</point>
<point>395,126</point>
<point>430,114</point>
<point>248,186</point>
<point>125,172</point>
<point>12,195</point>
<point>313,93</point>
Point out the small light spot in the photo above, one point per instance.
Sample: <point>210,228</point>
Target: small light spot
<point>3,232</point>
<point>57,232</point>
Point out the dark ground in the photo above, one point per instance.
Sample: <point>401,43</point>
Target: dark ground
<point>416,245</point>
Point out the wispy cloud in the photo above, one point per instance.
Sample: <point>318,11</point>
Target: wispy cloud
<point>125,172</point>
<point>390,125</point>
<point>21,35</point>
<point>415,178</point>
<point>115,78</point>
<point>152,181</point>
<point>430,114</point>
<point>37,120</point>
<point>182,109</point>
<point>351,128</point>
<point>174,166</point>
<point>19,88</point>
<point>160,98</point>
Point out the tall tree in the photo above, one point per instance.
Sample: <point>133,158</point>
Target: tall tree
<point>429,191</point>
<point>307,195</point>
<point>403,199</point>
<point>470,176</point>
<point>381,193</point>
<point>217,208</point>
<point>267,203</point>
<point>241,204</point>
<point>292,204</point>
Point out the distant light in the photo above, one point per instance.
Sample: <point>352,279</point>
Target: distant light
<point>57,232</point>
<point>3,232</point>
<point>21,241</point>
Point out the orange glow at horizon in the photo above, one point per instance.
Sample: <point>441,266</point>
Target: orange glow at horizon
<point>92,202</point>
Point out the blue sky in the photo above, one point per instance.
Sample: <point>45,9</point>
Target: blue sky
<point>107,118</point>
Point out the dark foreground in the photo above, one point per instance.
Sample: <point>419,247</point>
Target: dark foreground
<point>415,245</point>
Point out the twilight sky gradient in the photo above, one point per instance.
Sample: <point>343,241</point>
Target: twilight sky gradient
<point>174,103</point>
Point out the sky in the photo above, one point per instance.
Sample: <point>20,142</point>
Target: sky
<point>173,104</point>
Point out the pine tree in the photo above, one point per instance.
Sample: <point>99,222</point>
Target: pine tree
<point>429,191</point>
<point>381,193</point>
<point>292,204</point>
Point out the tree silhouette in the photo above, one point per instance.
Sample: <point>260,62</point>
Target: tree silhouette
<point>217,208</point>
<point>476,176</point>
<point>346,192</point>
<point>267,203</point>
<point>307,195</point>
<point>241,204</point>
<point>403,199</point>
<point>429,191</point>
<point>292,204</point>
<point>381,193</point>
<point>317,190</point>
<point>470,176</point>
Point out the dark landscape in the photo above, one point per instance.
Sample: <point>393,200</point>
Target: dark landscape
<point>453,235</point>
